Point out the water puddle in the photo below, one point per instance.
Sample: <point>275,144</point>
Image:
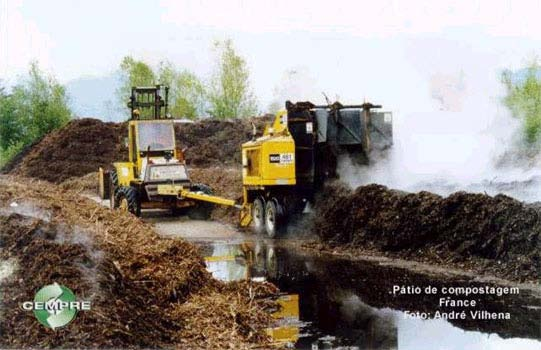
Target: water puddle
<point>335,303</point>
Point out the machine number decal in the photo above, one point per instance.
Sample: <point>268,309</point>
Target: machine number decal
<point>282,158</point>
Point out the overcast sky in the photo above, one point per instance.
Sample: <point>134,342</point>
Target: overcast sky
<point>352,49</point>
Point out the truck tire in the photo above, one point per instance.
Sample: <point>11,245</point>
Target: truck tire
<point>273,218</point>
<point>113,189</point>
<point>258,216</point>
<point>201,210</point>
<point>104,186</point>
<point>128,200</point>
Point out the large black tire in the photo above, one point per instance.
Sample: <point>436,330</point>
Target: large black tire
<point>113,189</point>
<point>127,198</point>
<point>201,210</point>
<point>258,216</point>
<point>274,218</point>
<point>176,211</point>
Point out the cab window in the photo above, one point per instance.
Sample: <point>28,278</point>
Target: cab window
<point>159,136</point>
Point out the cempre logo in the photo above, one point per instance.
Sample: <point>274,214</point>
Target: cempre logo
<point>55,306</point>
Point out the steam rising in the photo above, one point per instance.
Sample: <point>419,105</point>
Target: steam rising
<point>451,149</point>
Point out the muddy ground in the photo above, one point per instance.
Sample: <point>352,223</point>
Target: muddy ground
<point>145,291</point>
<point>492,235</point>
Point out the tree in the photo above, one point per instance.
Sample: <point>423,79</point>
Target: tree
<point>10,128</point>
<point>189,96</point>
<point>187,93</point>
<point>167,73</point>
<point>40,104</point>
<point>523,98</point>
<point>36,105</point>
<point>230,95</point>
<point>134,73</point>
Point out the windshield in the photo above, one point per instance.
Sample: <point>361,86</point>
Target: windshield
<point>159,136</point>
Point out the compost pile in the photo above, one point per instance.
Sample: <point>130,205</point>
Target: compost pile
<point>81,147</point>
<point>145,291</point>
<point>84,145</point>
<point>496,234</point>
<point>228,184</point>
<point>217,142</point>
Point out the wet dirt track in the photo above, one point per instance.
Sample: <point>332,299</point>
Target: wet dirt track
<point>345,302</point>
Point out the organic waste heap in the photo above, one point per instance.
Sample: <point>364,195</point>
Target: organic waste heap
<point>145,291</point>
<point>84,145</point>
<point>499,234</point>
<point>217,142</point>
<point>80,147</point>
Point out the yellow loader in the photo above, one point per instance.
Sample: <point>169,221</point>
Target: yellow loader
<point>155,175</point>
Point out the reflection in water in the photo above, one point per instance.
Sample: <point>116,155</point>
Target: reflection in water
<point>334,303</point>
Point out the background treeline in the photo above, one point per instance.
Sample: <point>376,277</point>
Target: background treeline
<point>38,104</point>
<point>226,95</point>
<point>523,98</point>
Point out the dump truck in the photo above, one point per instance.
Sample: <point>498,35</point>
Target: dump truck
<point>155,175</point>
<point>284,169</point>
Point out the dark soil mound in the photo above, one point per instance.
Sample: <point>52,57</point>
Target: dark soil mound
<point>213,142</point>
<point>77,149</point>
<point>84,145</point>
<point>500,232</point>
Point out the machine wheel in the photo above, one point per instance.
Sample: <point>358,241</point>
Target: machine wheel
<point>104,186</point>
<point>202,210</point>
<point>176,211</point>
<point>273,218</point>
<point>128,200</point>
<point>272,263</point>
<point>113,189</point>
<point>258,216</point>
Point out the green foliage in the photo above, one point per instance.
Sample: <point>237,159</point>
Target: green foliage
<point>189,96</point>
<point>186,92</point>
<point>134,73</point>
<point>6,154</point>
<point>230,95</point>
<point>10,127</point>
<point>36,105</point>
<point>523,99</point>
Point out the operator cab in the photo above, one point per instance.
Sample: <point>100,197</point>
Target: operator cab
<point>152,147</point>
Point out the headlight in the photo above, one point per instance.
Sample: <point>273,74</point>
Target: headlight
<point>168,172</point>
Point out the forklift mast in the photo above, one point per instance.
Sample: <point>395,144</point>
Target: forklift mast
<point>147,102</point>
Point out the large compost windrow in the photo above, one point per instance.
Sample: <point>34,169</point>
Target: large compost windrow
<point>84,145</point>
<point>498,235</point>
<point>216,142</point>
<point>145,291</point>
<point>77,149</point>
